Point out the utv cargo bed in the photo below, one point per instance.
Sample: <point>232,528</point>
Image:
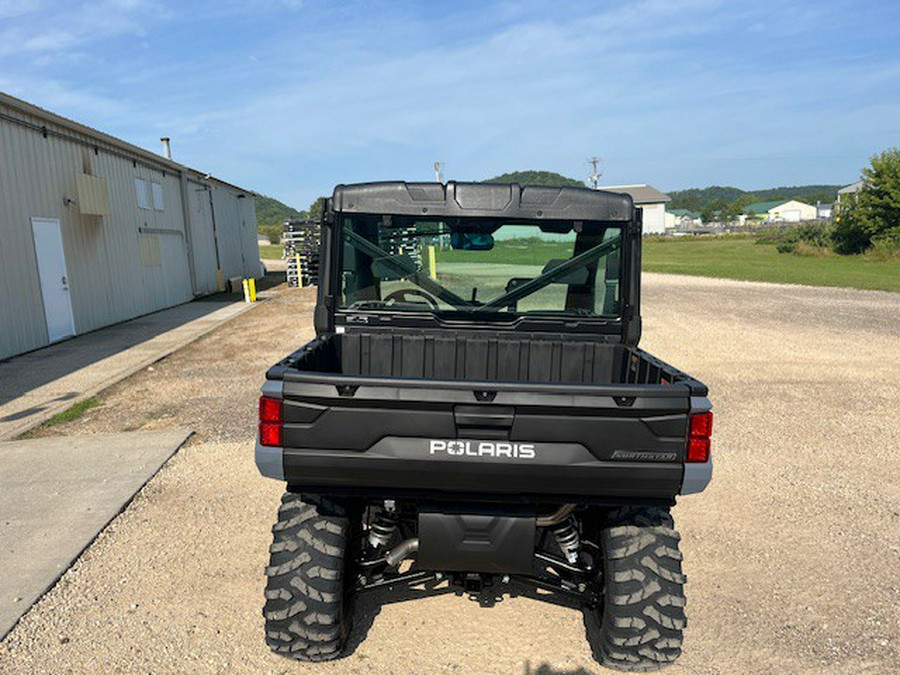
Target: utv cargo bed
<point>530,416</point>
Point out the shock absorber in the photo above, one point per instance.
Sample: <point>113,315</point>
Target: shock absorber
<point>382,529</point>
<point>567,538</point>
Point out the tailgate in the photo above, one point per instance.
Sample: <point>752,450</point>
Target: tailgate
<point>599,440</point>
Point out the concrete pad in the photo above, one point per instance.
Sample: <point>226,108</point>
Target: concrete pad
<point>42,383</point>
<point>57,494</point>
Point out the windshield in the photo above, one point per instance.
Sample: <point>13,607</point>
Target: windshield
<point>484,266</point>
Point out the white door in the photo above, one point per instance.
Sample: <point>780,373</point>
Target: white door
<point>51,261</point>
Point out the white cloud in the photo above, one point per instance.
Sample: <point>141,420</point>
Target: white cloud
<point>59,28</point>
<point>291,101</point>
<point>10,9</point>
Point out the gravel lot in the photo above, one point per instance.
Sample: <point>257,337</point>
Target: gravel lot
<point>793,554</point>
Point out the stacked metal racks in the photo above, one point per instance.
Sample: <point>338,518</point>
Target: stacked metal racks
<point>302,239</point>
<point>403,240</point>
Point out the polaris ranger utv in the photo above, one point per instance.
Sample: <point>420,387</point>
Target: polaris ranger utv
<point>475,412</point>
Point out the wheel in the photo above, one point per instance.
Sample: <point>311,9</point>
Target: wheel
<point>308,604</point>
<point>640,623</point>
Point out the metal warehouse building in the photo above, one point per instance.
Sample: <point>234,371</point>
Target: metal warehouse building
<point>94,230</point>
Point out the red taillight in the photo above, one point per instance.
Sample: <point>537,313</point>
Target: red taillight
<point>701,424</point>
<point>698,450</point>
<point>271,421</point>
<point>699,439</point>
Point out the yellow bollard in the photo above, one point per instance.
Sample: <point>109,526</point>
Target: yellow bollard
<point>246,286</point>
<point>252,283</point>
<point>432,263</point>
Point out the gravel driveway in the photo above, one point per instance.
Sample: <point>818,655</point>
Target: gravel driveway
<point>793,555</point>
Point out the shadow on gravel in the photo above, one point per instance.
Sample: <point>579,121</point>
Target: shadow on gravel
<point>368,606</point>
<point>547,669</point>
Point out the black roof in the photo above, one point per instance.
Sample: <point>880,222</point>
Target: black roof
<point>483,200</point>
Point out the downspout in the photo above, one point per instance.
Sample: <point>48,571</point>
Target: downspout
<point>220,280</point>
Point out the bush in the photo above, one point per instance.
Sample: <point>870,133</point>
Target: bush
<point>816,234</point>
<point>850,235</point>
<point>885,246</point>
<point>786,246</point>
<point>875,209</point>
<point>808,237</point>
<point>809,250</point>
<point>271,232</point>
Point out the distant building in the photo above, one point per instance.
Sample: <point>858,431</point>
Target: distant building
<point>791,211</point>
<point>682,219</point>
<point>652,201</point>
<point>847,193</point>
<point>824,211</point>
<point>94,230</point>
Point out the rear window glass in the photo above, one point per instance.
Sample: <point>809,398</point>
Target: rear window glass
<point>483,266</point>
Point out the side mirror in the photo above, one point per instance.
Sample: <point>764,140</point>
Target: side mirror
<point>471,241</point>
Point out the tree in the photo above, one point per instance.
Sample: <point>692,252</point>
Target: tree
<point>317,209</point>
<point>875,212</point>
<point>696,198</point>
<point>731,211</point>
<point>712,211</point>
<point>271,213</point>
<point>686,200</point>
<point>548,178</point>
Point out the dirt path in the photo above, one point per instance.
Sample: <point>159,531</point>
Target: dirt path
<point>793,554</point>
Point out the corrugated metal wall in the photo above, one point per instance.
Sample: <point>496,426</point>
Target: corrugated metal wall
<point>202,237</point>
<point>236,230</point>
<point>108,279</point>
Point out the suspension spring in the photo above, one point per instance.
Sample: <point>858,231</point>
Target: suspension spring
<point>382,529</point>
<point>567,538</point>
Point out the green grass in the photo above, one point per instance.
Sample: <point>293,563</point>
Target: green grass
<point>730,257</point>
<point>518,252</point>
<point>270,251</point>
<point>72,413</point>
<point>742,258</point>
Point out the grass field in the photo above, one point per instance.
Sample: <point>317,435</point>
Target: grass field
<point>729,257</point>
<point>511,252</point>
<point>270,251</point>
<point>742,258</point>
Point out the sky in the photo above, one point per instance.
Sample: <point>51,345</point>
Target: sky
<point>290,97</point>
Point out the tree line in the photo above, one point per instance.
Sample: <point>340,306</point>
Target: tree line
<point>271,215</point>
<point>869,219</point>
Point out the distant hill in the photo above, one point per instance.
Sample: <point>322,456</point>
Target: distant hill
<point>272,213</point>
<point>548,178</point>
<point>697,199</point>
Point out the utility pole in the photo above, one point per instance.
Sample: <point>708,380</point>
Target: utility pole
<point>437,172</point>
<point>596,173</point>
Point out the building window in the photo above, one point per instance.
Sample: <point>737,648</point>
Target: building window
<point>140,189</point>
<point>157,192</point>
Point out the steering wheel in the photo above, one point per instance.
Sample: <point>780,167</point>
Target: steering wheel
<point>402,294</point>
